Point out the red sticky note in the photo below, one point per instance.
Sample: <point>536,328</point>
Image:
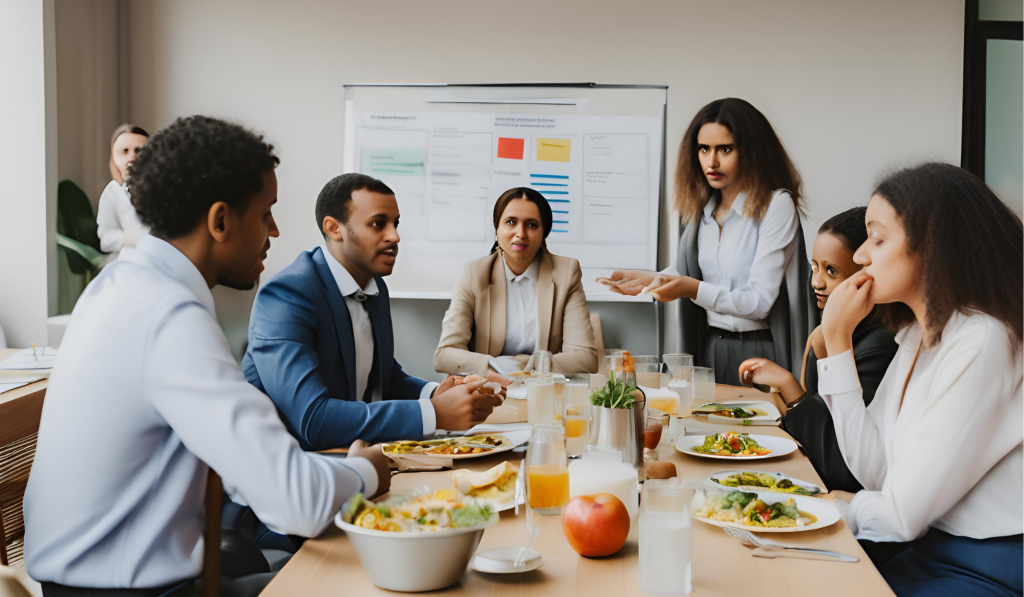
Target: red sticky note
<point>510,149</point>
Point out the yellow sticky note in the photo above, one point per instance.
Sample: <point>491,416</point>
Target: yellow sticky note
<point>554,150</point>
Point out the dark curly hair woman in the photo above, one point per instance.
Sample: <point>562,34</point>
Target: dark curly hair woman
<point>208,186</point>
<point>939,450</point>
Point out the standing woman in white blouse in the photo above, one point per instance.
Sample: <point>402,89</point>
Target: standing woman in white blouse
<point>742,262</point>
<point>118,225</point>
<point>939,450</point>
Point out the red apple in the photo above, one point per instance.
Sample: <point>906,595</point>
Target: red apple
<point>595,525</point>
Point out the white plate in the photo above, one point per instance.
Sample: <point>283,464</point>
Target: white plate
<point>723,474</point>
<point>770,416</point>
<point>499,561</point>
<point>778,445</point>
<point>824,510</point>
<point>516,391</point>
<point>516,438</point>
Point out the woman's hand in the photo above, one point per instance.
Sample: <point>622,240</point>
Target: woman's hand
<point>674,288</point>
<point>766,372</point>
<point>847,306</point>
<point>628,282</point>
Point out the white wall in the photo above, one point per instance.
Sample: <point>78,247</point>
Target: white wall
<point>28,266</point>
<point>853,88</point>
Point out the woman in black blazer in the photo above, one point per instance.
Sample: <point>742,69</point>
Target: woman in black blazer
<point>808,419</point>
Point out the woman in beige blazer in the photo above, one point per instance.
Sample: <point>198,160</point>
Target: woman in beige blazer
<point>518,299</point>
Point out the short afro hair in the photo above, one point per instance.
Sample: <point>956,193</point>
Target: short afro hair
<point>192,164</point>
<point>336,195</point>
<point>848,227</point>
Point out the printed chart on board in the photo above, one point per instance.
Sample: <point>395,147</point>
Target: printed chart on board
<point>600,175</point>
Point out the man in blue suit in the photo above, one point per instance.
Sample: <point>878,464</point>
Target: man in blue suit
<point>321,343</point>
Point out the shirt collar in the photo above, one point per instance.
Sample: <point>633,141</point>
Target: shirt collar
<point>346,283</point>
<point>529,274</point>
<point>172,262</point>
<point>737,204</point>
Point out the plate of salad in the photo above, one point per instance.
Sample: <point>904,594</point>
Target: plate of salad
<point>760,481</point>
<point>762,513</point>
<point>732,445</point>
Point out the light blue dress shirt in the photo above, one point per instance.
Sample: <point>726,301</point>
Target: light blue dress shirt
<point>144,397</point>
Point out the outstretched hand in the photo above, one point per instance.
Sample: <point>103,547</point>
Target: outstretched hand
<point>628,282</point>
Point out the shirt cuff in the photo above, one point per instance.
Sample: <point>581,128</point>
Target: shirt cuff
<point>838,374</point>
<point>427,409</point>
<point>707,294</point>
<point>363,468</point>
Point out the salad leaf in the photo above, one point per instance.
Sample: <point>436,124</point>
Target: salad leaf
<point>473,514</point>
<point>739,497</point>
<point>615,394</point>
<point>352,508</point>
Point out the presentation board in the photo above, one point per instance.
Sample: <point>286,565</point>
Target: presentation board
<point>596,153</point>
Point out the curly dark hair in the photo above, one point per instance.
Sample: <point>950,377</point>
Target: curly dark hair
<point>336,196</point>
<point>971,247</point>
<point>765,166</point>
<point>192,164</point>
<point>848,227</point>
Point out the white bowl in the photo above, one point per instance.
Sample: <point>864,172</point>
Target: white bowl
<point>413,562</point>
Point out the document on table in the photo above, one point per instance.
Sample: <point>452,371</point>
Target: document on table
<point>31,358</point>
<point>13,383</point>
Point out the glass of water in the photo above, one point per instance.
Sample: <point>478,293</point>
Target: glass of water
<point>703,386</point>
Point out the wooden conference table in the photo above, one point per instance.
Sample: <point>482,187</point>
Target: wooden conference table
<point>328,566</point>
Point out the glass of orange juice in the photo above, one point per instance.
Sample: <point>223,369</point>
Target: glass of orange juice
<point>577,415</point>
<point>547,469</point>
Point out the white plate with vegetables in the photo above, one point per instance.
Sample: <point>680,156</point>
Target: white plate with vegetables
<point>735,446</point>
<point>761,481</point>
<point>763,513</point>
<point>459,448</point>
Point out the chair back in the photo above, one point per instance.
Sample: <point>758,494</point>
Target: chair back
<point>20,411</point>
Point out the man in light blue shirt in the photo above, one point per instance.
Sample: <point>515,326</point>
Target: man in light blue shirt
<point>145,395</point>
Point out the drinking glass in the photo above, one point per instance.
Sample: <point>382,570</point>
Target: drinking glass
<point>577,414</point>
<point>602,369</point>
<point>540,400</point>
<point>675,363</point>
<point>665,538</point>
<point>703,386</point>
<point>540,362</point>
<point>547,470</point>
<point>649,374</point>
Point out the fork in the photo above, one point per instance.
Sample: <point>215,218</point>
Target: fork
<point>752,539</point>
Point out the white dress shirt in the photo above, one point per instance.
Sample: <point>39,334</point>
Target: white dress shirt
<point>951,458</point>
<point>362,333</point>
<point>117,223</point>
<point>144,397</point>
<point>521,326</point>
<point>743,263</point>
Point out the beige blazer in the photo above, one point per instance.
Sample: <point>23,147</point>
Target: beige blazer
<point>473,330</point>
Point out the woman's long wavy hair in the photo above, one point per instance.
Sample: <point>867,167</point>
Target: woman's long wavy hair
<point>764,165</point>
<point>970,246</point>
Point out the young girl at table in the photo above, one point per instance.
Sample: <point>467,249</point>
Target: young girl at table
<point>939,450</point>
<point>808,419</point>
<point>741,262</point>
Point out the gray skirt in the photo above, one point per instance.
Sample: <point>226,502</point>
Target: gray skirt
<point>724,351</point>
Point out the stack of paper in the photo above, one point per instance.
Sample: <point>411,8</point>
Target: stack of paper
<point>31,358</point>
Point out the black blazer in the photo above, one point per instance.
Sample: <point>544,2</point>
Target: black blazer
<point>810,422</point>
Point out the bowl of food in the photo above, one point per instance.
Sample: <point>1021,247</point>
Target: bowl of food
<point>431,537</point>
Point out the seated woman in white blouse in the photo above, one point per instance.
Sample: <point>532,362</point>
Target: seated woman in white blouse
<point>118,225</point>
<point>742,267</point>
<point>939,450</point>
<point>519,299</point>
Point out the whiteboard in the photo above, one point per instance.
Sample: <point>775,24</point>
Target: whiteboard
<point>596,153</point>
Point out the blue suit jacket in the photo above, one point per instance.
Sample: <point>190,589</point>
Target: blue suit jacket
<point>302,354</point>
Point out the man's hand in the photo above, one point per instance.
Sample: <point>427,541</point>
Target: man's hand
<point>847,306</point>
<point>464,406</point>
<point>501,380</point>
<point>628,282</point>
<point>673,288</point>
<point>380,462</point>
